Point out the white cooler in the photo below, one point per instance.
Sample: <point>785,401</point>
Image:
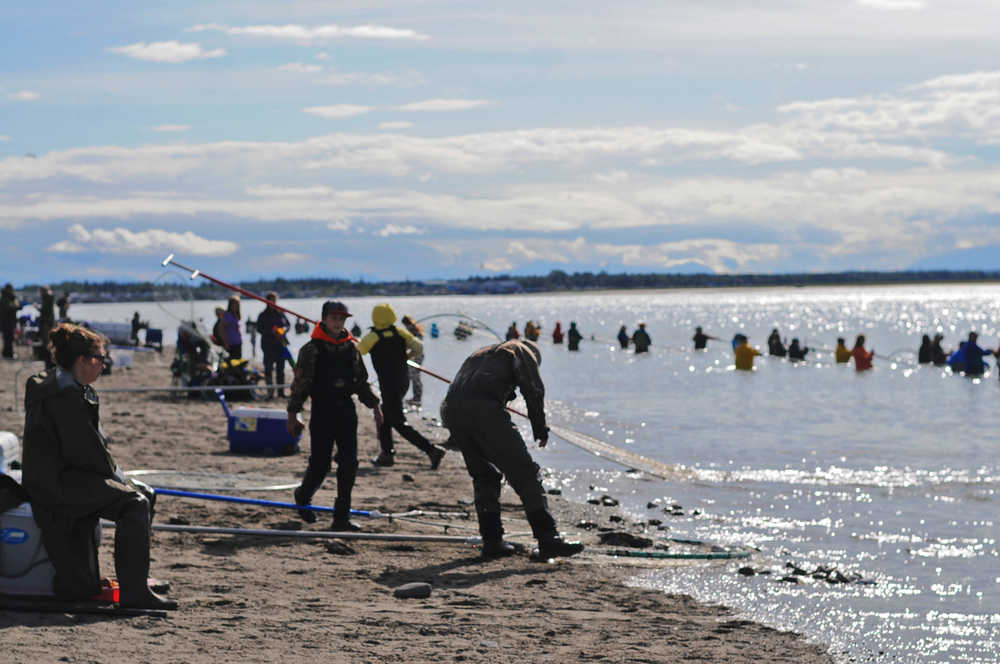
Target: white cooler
<point>24,564</point>
<point>10,450</point>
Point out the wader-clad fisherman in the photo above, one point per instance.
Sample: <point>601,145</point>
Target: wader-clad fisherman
<point>390,346</point>
<point>272,326</point>
<point>329,370</point>
<point>73,480</point>
<point>475,413</point>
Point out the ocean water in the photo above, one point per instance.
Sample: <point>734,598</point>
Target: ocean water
<point>890,474</point>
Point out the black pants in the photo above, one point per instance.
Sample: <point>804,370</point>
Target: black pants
<point>493,448</point>
<point>72,547</point>
<point>235,351</point>
<point>332,424</point>
<point>8,341</point>
<point>274,364</point>
<point>392,412</point>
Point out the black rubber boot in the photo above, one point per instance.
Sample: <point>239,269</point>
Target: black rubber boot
<point>308,516</point>
<point>341,520</point>
<point>132,560</point>
<point>491,529</point>
<point>550,545</point>
<point>436,454</point>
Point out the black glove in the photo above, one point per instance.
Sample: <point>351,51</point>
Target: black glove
<point>540,433</point>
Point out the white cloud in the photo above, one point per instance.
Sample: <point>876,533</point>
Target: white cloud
<point>338,111</point>
<point>308,35</point>
<point>893,4</point>
<point>172,128</point>
<point>301,68</point>
<point>4,138</point>
<point>612,177</point>
<point>289,192</point>
<point>365,78</point>
<point>286,258</point>
<point>393,229</point>
<point>168,51</point>
<point>395,125</point>
<point>497,265</point>
<point>435,105</point>
<point>152,241</point>
<point>322,55</point>
<point>25,95</point>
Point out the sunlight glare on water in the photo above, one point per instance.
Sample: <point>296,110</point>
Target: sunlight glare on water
<point>889,475</point>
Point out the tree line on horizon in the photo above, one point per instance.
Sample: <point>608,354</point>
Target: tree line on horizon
<point>556,280</point>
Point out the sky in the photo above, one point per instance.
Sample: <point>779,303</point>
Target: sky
<point>423,139</point>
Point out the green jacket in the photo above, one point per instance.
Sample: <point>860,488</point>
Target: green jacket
<point>66,467</point>
<point>70,476</point>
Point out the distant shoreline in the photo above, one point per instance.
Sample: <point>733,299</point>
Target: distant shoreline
<point>555,282</point>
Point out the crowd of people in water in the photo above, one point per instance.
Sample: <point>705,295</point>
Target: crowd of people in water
<point>967,359</point>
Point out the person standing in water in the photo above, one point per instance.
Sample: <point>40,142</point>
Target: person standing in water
<point>796,352</point>
<point>623,337</point>
<point>557,333</point>
<point>700,339</point>
<point>842,353</point>
<point>744,353</point>
<point>862,357</point>
<point>573,337</point>
<point>641,340</point>
<point>774,344</point>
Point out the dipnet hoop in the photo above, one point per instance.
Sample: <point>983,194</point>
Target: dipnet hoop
<point>194,479</point>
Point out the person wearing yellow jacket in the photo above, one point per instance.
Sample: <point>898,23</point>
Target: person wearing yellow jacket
<point>842,352</point>
<point>745,353</point>
<point>390,346</point>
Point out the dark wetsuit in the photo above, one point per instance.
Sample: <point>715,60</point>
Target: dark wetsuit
<point>329,371</point>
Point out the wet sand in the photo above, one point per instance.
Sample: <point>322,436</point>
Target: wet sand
<point>251,599</point>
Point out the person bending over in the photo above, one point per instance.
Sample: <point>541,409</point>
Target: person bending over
<point>474,411</point>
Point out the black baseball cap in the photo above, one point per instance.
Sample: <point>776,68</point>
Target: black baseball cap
<point>335,307</point>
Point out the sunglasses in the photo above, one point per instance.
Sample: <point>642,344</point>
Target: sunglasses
<point>103,357</point>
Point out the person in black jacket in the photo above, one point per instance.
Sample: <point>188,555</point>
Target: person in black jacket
<point>329,371</point>
<point>475,414</point>
<point>272,325</point>
<point>939,356</point>
<point>774,344</point>
<point>573,337</point>
<point>925,354</point>
<point>796,352</point>
<point>73,480</point>
<point>641,340</point>
<point>9,306</point>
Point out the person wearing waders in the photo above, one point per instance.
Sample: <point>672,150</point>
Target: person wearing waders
<point>641,340</point>
<point>273,325</point>
<point>573,337</point>
<point>329,371</point>
<point>390,347</point>
<point>73,481</point>
<point>474,411</point>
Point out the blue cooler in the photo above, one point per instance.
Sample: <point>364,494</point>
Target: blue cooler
<point>258,430</point>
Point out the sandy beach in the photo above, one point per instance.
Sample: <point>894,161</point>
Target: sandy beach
<point>252,599</point>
